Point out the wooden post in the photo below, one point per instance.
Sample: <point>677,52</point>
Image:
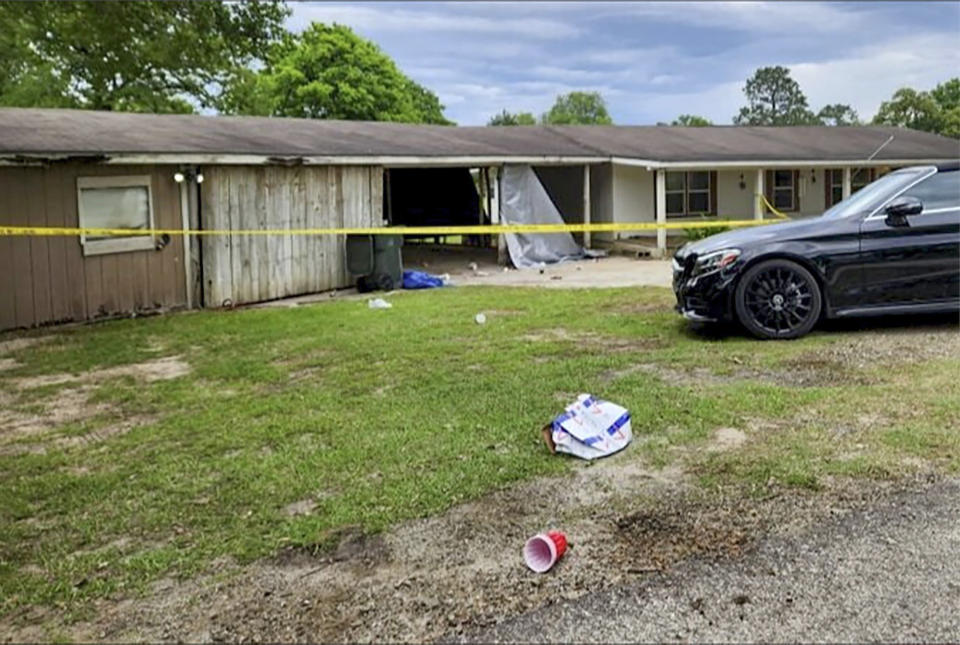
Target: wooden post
<point>661,197</point>
<point>586,204</point>
<point>187,240</point>
<point>758,190</point>
<point>502,256</point>
<point>386,187</point>
<point>845,187</point>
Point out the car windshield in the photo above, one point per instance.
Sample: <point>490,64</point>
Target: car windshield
<point>872,195</point>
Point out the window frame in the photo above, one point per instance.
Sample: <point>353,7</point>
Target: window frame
<point>116,244</point>
<point>710,191</point>
<point>771,189</point>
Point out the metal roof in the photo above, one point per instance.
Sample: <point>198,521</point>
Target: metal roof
<point>50,132</point>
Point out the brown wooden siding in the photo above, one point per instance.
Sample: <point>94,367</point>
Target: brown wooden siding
<point>243,269</point>
<point>48,279</point>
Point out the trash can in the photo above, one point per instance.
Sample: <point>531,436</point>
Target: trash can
<point>376,261</point>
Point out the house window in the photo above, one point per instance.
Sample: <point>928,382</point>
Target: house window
<point>784,189</point>
<point>690,193</point>
<point>115,202</point>
<point>859,177</point>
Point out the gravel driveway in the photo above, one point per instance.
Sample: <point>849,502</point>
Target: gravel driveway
<point>889,574</point>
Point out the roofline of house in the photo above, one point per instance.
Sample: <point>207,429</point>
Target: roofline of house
<point>401,161</point>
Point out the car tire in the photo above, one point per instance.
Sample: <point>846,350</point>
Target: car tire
<point>778,299</point>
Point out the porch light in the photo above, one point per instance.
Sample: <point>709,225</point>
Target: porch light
<point>178,177</point>
<point>743,184</point>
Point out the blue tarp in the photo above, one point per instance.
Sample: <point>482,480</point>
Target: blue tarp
<point>420,280</point>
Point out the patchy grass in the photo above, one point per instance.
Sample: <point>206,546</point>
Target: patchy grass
<point>356,417</point>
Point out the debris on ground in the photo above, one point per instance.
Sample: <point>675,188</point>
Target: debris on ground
<point>480,318</point>
<point>421,280</point>
<point>589,428</point>
<point>378,303</point>
<point>543,550</point>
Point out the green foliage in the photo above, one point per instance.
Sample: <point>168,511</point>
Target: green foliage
<point>774,99</point>
<point>694,234</point>
<point>692,120</point>
<point>329,72</point>
<point>509,118</point>
<point>133,56</point>
<point>838,114</point>
<point>578,108</point>
<point>935,111</point>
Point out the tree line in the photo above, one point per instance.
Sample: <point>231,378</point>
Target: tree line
<point>238,58</point>
<point>774,98</point>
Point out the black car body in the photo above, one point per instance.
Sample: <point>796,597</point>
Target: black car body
<point>893,247</point>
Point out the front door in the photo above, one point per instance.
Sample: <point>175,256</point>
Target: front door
<point>918,262</point>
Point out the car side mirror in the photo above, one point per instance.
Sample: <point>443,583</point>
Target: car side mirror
<point>899,209</point>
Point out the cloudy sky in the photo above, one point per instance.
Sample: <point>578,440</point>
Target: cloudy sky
<point>653,60</point>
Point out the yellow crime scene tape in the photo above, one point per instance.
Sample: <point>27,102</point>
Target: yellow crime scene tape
<point>482,229</point>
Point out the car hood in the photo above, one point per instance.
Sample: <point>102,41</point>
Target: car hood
<point>752,236</point>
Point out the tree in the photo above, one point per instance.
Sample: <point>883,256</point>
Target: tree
<point>135,56</point>
<point>692,120</point>
<point>579,108</point>
<point>507,118</point>
<point>774,99</point>
<point>838,114</point>
<point>909,108</point>
<point>328,72</point>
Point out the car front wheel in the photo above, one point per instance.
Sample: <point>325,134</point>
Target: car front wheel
<point>778,299</point>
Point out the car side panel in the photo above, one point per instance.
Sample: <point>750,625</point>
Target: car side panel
<point>917,263</point>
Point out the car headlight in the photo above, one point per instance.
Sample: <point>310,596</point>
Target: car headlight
<point>715,261</point>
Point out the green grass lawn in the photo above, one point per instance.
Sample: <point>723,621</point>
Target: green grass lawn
<point>372,417</point>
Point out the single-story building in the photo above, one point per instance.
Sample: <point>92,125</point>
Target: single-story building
<point>72,168</point>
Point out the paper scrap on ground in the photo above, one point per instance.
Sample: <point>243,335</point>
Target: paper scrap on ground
<point>590,428</point>
<point>378,303</point>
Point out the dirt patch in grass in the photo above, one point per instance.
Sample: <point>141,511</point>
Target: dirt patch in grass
<point>463,570</point>
<point>160,369</point>
<point>19,426</point>
<point>16,344</point>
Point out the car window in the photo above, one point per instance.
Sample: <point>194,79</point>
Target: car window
<point>938,191</point>
<point>873,195</point>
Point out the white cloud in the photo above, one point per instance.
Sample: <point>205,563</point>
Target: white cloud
<point>417,23</point>
<point>872,74</point>
<point>759,17</point>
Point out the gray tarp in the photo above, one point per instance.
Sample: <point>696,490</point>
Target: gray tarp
<point>524,200</point>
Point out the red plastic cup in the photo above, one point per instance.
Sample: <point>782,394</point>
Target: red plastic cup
<point>543,550</point>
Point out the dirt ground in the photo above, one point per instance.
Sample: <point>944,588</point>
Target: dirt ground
<point>476,266</point>
<point>472,266</point>
<point>462,571</point>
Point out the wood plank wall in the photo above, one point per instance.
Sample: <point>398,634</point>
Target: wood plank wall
<point>244,269</point>
<point>48,279</point>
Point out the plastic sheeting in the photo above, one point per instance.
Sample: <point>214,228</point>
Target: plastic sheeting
<point>524,200</point>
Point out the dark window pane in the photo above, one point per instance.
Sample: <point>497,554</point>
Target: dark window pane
<point>675,204</point>
<point>783,178</point>
<point>836,194</point>
<point>941,190</point>
<point>699,180</point>
<point>675,180</point>
<point>783,198</point>
<point>698,202</point>
<point>836,177</point>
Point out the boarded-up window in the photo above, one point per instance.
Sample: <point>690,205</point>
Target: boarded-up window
<point>123,202</point>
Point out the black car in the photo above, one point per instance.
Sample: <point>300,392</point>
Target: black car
<point>891,248</point>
